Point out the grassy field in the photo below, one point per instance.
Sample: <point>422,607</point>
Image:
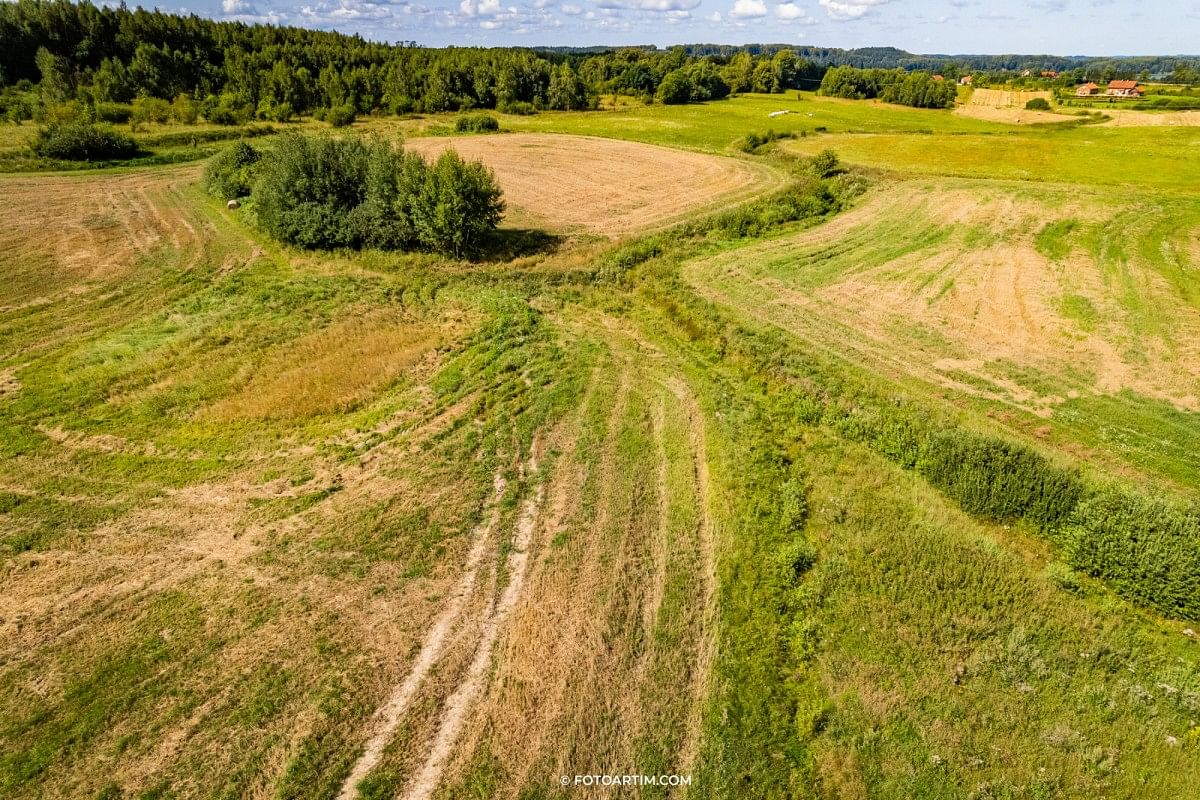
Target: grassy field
<point>308,525</point>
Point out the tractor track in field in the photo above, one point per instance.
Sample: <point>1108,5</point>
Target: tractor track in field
<point>388,717</point>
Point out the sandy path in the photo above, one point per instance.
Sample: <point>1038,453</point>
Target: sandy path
<point>390,714</point>
<point>454,716</point>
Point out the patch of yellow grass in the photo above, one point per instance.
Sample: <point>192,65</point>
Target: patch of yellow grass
<point>331,370</point>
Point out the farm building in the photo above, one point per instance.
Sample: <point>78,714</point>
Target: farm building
<point>1124,89</point>
<point>1087,90</point>
<point>965,80</point>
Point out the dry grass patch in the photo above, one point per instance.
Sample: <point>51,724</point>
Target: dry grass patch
<point>603,186</point>
<point>63,233</point>
<point>962,283</point>
<point>334,369</point>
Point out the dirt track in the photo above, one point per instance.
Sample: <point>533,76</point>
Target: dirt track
<point>604,186</point>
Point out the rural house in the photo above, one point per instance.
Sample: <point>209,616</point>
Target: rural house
<point>965,80</point>
<point>1124,89</point>
<point>1087,90</point>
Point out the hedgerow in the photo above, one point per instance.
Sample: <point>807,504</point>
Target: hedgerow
<point>1147,549</point>
<point>999,480</point>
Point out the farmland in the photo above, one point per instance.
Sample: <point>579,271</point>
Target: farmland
<point>305,523</point>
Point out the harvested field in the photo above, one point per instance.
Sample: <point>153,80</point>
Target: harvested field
<point>988,289</point>
<point>67,232</point>
<point>1132,118</point>
<point>999,98</point>
<point>603,186</point>
<point>995,105</point>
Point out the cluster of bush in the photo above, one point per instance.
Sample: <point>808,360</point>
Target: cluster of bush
<point>476,123</point>
<point>323,192</point>
<point>1038,104</point>
<point>83,141</point>
<point>917,89</point>
<point>753,141</point>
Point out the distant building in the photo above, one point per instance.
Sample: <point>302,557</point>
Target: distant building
<point>1124,89</point>
<point>1087,90</point>
<point>965,80</point>
<point>1049,73</point>
<point>939,78</point>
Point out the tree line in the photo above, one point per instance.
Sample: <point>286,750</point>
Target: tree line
<point>233,72</point>
<point>918,89</point>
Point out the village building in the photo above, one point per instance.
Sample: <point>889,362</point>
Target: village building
<point>965,80</point>
<point>1124,89</point>
<point>1087,90</point>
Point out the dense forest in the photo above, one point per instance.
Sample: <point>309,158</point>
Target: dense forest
<point>235,72</point>
<point>1086,67</point>
<point>229,72</point>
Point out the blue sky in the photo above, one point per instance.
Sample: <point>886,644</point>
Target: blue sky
<point>1063,27</point>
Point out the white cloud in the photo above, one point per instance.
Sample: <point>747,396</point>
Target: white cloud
<point>571,10</point>
<point>714,16</point>
<point>480,8</point>
<point>748,9</point>
<point>790,12</point>
<point>849,9</point>
<point>233,7</point>
<point>650,5</point>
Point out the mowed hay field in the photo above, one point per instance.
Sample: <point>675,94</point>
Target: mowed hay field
<point>288,524</point>
<point>998,105</point>
<point>1044,300</point>
<point>603,186</point>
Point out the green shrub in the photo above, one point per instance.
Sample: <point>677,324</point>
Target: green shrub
<point>1062,576</point>
<point>458,206</point>
<point>753,141</point>
<point>476,123</point>
<point>1038,104</point>
<point>230,173</point>
<point>83,141</point>
<point>516,107</point>
<point>340,116</point>
<point>150,109</point>
<point>228,109</point>
<point>116,113</point>
<point>825,164</point>
<point>184,109</point>
<point>676,88</point>
<point>793,560</point>
<point>999,480</point>
<point>1145,548</point>
<point>327,192</point>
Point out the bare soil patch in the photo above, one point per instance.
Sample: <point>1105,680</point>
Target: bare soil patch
<point>602,186</point>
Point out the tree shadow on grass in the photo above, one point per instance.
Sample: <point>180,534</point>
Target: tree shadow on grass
<point>507,244</point>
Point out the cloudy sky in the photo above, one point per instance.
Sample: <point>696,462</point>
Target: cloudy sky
<point>1065,27</point>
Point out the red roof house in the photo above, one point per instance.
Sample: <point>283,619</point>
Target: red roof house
<point>1124,89</point>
